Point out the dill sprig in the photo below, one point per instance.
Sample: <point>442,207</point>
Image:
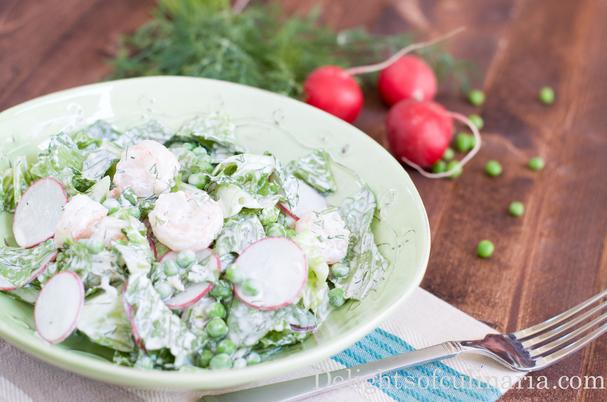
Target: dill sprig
<point>258,46</point>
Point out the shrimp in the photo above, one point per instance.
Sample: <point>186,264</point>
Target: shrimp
<point>186,220</point>
<point>80,215</point>
<point>109,229</point>
<point>148,168</point>
<point>330,235</point>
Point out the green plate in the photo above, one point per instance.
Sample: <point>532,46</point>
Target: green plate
<point>265,121</point>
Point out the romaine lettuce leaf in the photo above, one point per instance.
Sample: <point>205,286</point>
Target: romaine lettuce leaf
<point>13,183</point>
<point>210,131</point>
<point>18,264</point>
<point>237,233</point>
<point>105,322</point>
<point>367,264</point>
<point>315,169</point>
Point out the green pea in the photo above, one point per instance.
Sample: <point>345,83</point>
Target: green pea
<point>240,363</point>
<point>269,215</point>
<point>439,166</point>
<point>536,163</point>
<point>189,146</point>
<point>493,168</point>
<point>204,358</point>
<point>204,166</point>
<point>464,142</point>
<point>476,120</point>
<point>253,358</point>
<point>476,97</point>
<point>546,95</point>
<point>340,270</point>
<point>164,290</point>
<point>226,346</point>
<point>449,154</point>
<point>516,208</point>
<point>170,268</point>
<point>216,328</point>
<point>458,169</point>
<point>221,361</point>
<point>485,249</point>
<point>216,310</point>
<point>337,297</point>
<point>248,288</point>
<point>221,289</point>
<point>198,180</point>
<point>200,151</point>
<point>186,259</point>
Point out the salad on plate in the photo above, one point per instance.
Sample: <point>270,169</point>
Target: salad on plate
<point>181,250</point>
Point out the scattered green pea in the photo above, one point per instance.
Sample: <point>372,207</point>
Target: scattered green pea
<point>536,163</point>
<point>476,97</point>
<point>337,297</point>
<point>253,358</point>
<point>233,275</point>
<point>170,268</point>
<point>226,346</point>
<point>221,361</point>
<point>240,363</point>
<point>339,270</point>
<point>186,259</point>
<point>164,290</point>
<point>546,95</point>
<point>493,168</point>
<point>200,151</point>
<point>439,166</point>
<point>204,358</point>
<point>216,310</point>
<point>476,120</point>
<point>485,249</point>
<point>458,169</point>
<point>216,328</point>
<point>449,154</point>
<point>221,289</point>
<point>198,180</point>
<point>464,142</point>
<point>516,208</point>
<point>248,288</point>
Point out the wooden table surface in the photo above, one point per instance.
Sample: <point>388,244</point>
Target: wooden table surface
<point>545,262</point>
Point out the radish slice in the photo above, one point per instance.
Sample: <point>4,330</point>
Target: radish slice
<point>38,212</point>
<point>308,200</point>
<point>7,286</point>
<point>189,296</point>
<point>195,291</point>
<point>277,268</point>
<point>58,307</point>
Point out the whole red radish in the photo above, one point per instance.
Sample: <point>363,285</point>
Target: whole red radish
<point>419,132</point>
<point>407,78</point>
<point>333,90</point>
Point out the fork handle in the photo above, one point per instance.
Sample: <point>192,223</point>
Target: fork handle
<point>306,387</point>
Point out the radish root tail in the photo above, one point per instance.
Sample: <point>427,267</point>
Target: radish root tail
<point>407,49</point>
<point>477,146</point>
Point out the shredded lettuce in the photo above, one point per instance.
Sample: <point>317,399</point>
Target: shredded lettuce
<point>18,264</point>
<point>315,169</point>
<point>367,266</point>
<point>215,132</point>
<point>237,233</point>
<point>105,322</point>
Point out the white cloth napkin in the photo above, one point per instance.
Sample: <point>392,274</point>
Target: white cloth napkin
<point>423,320</point>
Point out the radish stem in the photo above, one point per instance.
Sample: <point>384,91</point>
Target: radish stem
<point>460,164</point>
<point>407,49</point>
<point>240,5</point>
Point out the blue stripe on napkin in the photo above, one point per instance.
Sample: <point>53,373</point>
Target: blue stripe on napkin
<point>429,382</point>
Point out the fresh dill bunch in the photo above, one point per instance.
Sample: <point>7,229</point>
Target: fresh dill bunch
<point>259,47</point>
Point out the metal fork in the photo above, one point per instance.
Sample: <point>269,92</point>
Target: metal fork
<point>526,350</point>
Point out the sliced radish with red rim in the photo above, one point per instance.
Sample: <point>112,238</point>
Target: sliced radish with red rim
<point>196,291</point>
<point>38,212</point>
<point>308,200</point>
<point>277,269</point>
<point>58,307</point>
